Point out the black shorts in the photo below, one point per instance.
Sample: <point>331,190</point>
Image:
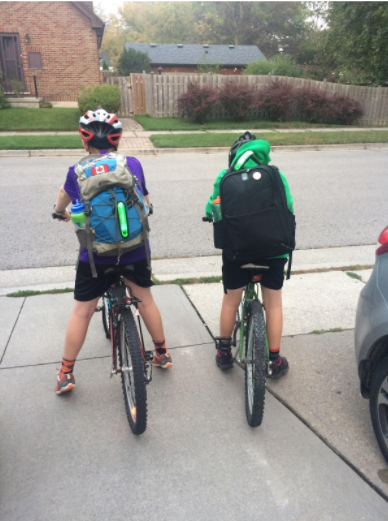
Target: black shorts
<point>88,288</point>
<point>234,277</point>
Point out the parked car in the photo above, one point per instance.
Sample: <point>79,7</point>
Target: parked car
<point>371,342</point>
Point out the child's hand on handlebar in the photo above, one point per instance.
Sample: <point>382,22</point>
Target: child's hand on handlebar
<point>62,217</point>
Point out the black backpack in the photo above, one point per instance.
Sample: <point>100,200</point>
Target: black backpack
<point>256,223</point>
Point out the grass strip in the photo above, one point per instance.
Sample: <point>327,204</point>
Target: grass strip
<point>299,138</point>
<point>149,123</point>
<point>39,119</point>
<point>353,275</point>
<point>322,331</point>
<point>181,282</point>
<point>31,293</point>
<point>39,142</point>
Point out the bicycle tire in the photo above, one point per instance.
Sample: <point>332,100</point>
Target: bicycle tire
<point>105,316</point>
<point>378,405</point>
<point>133,382</point>
<point>255,365</point>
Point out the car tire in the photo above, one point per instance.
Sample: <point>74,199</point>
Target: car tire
<point>378,405</point>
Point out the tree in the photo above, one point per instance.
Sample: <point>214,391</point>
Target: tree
<point>159,22</point>
<point>272,26</point>
<point>105,66</point>
<point>358,38</point>
<point>133,61</point>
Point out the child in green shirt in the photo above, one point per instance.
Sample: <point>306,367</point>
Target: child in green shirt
<point>235,278</point>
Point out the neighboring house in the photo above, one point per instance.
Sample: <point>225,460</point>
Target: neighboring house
<point>186,57</point>
<point>104,57</point>
<point>57,42</point>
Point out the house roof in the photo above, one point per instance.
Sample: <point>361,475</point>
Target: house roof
<point>97,24</point>
<point>190,54</point>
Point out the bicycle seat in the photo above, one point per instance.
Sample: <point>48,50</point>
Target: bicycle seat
<point>254,267</point>
<point>119,269</point>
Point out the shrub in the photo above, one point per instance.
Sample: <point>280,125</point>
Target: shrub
<point>237,100</point>
<point>261,67</point>
<point>133,61</point>
<point>280,65</point>
<point>316,106</point>
<point>3,100</point>
<point>106,96</point>
<point>196,103</point>
<point>344,110</point>
<point>311,105</point>
<point>275,101</point>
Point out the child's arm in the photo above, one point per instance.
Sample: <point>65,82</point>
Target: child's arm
<point>215,194</point>
<point>290,199</point>
<point>63,200</point>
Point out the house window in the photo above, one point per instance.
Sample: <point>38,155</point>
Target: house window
<point>35,61</point>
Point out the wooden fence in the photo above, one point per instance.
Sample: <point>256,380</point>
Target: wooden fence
<point>132,92</point>
<point>157,95</point>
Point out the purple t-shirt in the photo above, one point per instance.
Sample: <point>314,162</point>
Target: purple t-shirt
<point>71,188</point>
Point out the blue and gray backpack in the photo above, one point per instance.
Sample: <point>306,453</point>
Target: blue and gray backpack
<point>116,213</point>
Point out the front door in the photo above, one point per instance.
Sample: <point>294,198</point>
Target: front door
<point>10,61</point>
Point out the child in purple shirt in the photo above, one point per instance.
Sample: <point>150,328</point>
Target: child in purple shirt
<point>101,133</point>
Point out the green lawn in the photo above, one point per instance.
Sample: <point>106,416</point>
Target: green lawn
<point>39,142</point>
<point>149,123</point>
<point>39,119</point>
<point>300,138</point>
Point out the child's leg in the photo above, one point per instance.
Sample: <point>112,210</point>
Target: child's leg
<point>230,303</point>
<point>274,318</point>
<point>274,325</point>
<point>153,321</point>
<point>229,308</point>
<point>77,328</point>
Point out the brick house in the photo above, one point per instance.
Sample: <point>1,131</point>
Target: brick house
<point>57,42</point>
<point>186,57</point>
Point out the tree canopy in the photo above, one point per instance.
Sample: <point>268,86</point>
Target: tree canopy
<point>328,39</point>
<point>358,37</point>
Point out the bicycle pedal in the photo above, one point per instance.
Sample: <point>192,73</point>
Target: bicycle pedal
<point>148,355</point>
<point>98,308</point>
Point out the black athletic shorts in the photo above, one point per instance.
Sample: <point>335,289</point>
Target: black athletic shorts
<point>234,277</point>
<point>88,288</point>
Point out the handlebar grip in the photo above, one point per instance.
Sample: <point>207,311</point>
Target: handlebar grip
<point>59,217</point>
<point>206,220</point>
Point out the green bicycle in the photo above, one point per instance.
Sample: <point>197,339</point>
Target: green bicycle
<point>250,340</point>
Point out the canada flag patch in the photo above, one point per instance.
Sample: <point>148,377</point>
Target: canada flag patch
<point>100,169</point>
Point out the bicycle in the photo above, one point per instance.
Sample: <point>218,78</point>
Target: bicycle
<point>252,350</point>
<point>127,347</point>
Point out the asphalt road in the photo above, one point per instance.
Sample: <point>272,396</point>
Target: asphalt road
<point>339,197</point>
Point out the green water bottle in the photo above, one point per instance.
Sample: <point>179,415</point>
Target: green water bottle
<point>216,209</point>
<point>77,214</point>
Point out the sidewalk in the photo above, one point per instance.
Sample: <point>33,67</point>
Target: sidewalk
<point>197,448</point>
<point>43,279</point>
<point>136,141</point>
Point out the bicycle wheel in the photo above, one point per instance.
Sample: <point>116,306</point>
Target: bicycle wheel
<point>105,316</point>
<point>256,365</point>
<point>132,373</point>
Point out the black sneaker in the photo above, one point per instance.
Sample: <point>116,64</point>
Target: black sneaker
<point>224,359</point>
<point>280,369</point>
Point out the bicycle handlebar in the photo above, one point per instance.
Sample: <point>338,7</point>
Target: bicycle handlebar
<point>59,217</point>
<point>206,220</point>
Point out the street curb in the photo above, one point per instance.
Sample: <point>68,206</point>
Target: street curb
<point>193,150</point>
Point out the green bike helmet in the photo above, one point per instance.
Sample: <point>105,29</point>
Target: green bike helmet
<point>242,140</point>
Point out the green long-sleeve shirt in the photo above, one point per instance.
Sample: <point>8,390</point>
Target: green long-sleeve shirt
<point>261,151</point>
